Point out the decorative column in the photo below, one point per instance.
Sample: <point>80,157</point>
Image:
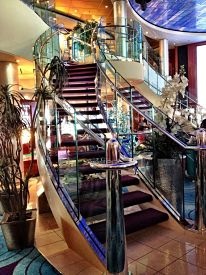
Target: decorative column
<point>120,21</point>
<point>9,73</point>
<point>164,57</point>
<point>116,257</point>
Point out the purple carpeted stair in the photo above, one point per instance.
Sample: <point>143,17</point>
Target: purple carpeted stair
<point>79,91</point>
<point>96,185</point>
<point>133,222</point>
<point>95,207</point>
<point>136,98</point>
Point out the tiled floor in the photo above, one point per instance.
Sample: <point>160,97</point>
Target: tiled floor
<point>155,250</point>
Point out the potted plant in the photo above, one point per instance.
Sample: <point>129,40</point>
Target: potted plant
<point>169,163</point>
<point>18,224</point>
<point>163,164</point>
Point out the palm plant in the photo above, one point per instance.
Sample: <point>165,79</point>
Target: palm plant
<point>13,183</point>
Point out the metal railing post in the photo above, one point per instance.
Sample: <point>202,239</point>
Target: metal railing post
<point>115,229</point>
<point>116,256</point>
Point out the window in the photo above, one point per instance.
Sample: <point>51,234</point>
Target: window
<point>201,75</point>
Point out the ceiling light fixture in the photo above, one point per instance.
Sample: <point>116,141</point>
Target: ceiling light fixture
<point>106,7</point>
<point>143,3</point>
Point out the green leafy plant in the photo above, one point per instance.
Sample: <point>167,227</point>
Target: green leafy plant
<point>161,146</point>
<point>13,182</point>
<point>83,34</point>
<point>165,147</point>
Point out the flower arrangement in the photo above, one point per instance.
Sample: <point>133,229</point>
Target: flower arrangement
<point>178,119</point>
<point>173,89</point>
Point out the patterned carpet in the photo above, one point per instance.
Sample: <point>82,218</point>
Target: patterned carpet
<point>27,261</point>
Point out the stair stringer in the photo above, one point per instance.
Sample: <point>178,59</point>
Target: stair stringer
<point>83,243</point>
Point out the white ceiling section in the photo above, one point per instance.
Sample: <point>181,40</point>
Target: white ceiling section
<point>20,26</point>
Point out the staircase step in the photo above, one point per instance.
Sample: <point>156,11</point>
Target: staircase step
<point>135,94</point>
<point>81,112</point>
<point>133,222</point>
<point>79,90</point>
<point>127,89</point>
<point>88,155</point>
<point>96,207</point>
<point>143,107</point>
<point>82,72</point>
<point>95,130</point>
<point>85,142</point>
<point>77,97</point>
<point>137,99</point>
<point>91,121</point>
<point>96,185</point>
<point>81,67</point>
<point>78,83</point>
<point>89,112</point>
<point>84,105</point>
<point>86,78</point>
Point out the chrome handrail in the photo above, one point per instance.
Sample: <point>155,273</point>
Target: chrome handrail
<point>134,107</point>
<point>71,111</point>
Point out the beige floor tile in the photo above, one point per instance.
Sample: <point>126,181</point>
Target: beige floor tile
<point>136,250</point>
<point>45,239</point>
<point>180,267</point>
<point>153,241</point>
<point>190,239</point>
<point>195,234</point>
<point>150,251</point>
<point>90,271</point>
<point>196,257</point>
<point>64,258</point>
<point>130,237</point>
<point>167,232</point>
<point>59,233</point>
<point>157,260</point>
<point>45,223</point>
<point>51,249</point>
<point>74,269</point>
<point>176,248</point>
<point>129,260</point>
<point>202,245</point>
<point>41,230</point>
<point>154,236</point>
<point>139,269</point>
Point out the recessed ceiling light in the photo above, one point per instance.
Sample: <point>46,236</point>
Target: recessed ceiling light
<point>17,61</point>
<point>106,7</point>
<point>146,32</point>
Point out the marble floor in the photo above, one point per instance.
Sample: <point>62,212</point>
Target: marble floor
<point>155,250</point>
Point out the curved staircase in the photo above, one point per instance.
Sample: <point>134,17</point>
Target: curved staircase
<point>79,91</point>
